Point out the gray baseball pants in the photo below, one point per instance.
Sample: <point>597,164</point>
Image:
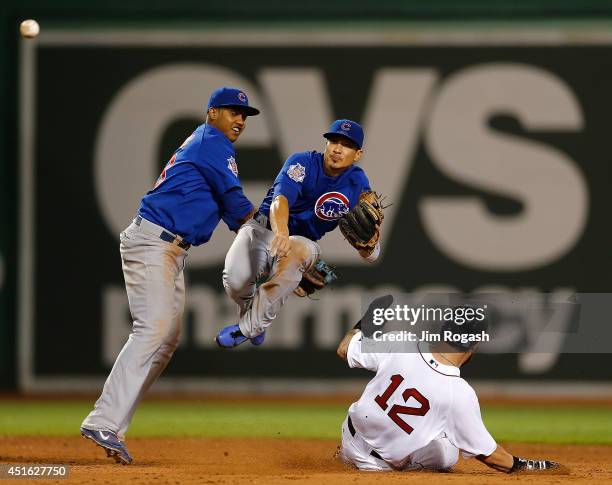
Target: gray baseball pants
<point>248,262</point>
<point>153,272</point>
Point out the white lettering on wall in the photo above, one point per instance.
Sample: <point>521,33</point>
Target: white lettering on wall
<point>545,180</point>
<point>403,102</point>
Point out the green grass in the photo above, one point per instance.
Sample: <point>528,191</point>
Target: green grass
<point>181,419</point>
<point>214,419</point>
<point>575,425</point>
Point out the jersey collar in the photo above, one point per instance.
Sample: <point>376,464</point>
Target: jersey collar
<point>428,358</point>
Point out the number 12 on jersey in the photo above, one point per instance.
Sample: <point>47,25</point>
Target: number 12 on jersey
<point>397,409</point>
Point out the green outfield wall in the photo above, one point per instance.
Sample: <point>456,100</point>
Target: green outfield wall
<point>73,164</point>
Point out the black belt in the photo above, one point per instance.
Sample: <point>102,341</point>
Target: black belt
<point>351,428</point>
<point>167,236</point>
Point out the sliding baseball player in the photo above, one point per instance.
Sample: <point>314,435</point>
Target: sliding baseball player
<point>417,412</point>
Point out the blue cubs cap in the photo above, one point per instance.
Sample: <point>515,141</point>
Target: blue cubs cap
<point>347,128</point>
<point>227,97</point>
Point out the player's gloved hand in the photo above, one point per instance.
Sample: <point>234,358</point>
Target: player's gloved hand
<point>524,464</point>
<point>361,226</point>
<point>317,278</point>
<point>281,245</point>
<point>365,253</point>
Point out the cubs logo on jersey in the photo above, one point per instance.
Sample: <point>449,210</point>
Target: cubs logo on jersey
<point>331,206</point>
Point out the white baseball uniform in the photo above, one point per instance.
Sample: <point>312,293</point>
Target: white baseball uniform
<point>415,413</point>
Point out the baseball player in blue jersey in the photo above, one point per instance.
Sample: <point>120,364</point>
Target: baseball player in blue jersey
<point>198,187</point>
<point>310,194</point>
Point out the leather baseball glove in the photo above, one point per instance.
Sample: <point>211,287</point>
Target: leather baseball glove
<point>317,278</point>
<point>361,226</point>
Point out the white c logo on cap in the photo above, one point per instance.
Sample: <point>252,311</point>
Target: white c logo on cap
<point>345,126</point>
<point>242,97</point>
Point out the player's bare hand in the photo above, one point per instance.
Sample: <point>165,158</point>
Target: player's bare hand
<point>281,245</point>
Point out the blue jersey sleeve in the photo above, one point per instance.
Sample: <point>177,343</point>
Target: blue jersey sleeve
<point>217,165</point>
<point>235,208</point>
<point>221,179</point>
<point>290,180</point>
<point>365,183</point>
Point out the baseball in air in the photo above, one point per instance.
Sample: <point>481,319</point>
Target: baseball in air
<point>29,28</point>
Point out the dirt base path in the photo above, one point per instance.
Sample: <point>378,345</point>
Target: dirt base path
<point>275,461</point>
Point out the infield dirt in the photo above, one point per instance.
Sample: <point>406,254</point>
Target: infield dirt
<point>276,461</point>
